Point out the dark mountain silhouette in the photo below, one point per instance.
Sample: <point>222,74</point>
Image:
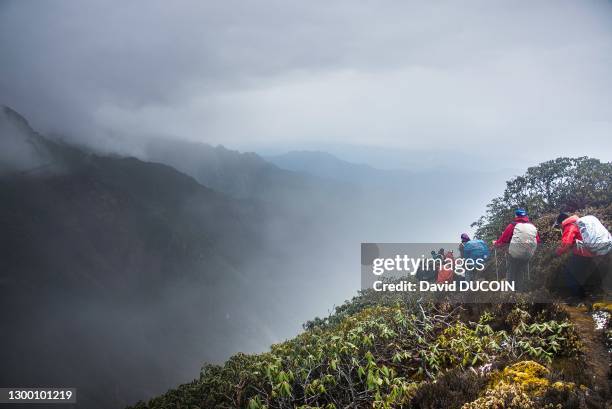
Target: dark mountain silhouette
<point>22,148</point>
<point>93,251</point>
<point>127,203</point>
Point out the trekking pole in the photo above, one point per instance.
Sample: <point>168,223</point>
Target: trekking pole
<point>496,267</point>
<point>506,259</point>
<point>528,278</point>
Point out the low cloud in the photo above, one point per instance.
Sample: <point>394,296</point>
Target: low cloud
<point>532,78</point>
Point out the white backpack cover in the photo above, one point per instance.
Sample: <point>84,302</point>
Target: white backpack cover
<point>523,243</point>
<point>595,237</point>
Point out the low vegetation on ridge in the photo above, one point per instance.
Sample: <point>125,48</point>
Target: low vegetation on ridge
<point>386,356</point>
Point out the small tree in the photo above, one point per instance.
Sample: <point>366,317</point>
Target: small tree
<point>562,184</point>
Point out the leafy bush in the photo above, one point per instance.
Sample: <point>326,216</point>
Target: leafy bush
<point>450,390</point>
<point>381,356</point>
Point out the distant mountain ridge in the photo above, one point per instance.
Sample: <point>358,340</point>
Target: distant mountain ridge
<point>241,175</point>
<point>324,165</point>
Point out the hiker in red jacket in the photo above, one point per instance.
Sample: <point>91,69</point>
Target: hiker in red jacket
<point>580,262</point>
<point>522,238</point>
<point>571,233</point>
<point>506,236</point>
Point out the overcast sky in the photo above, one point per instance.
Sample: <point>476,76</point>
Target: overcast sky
<point>531,77</point>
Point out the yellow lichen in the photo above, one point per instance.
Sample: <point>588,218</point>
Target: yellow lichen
<point>502,396</point>
<point>530,376</point>
<point>518,386</point>
<point>604,306</point>
<point>560,385</point>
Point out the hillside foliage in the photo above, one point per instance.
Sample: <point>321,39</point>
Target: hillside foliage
<point>562,184</point>
<point>394,354</point>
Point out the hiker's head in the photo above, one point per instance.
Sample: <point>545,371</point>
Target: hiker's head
<point>562,216</point>
<point>441,251</point>
<point>464,237</point>
<point>520,212</point>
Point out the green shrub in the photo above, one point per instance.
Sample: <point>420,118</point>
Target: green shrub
<point>378,356</point>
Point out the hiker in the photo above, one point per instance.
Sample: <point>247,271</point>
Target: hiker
<point>464,239</point>
<point>447,272</point>
<point>473,250</point>
<point>588,238</point>
<point>522,239</point>
<point>441,254</point>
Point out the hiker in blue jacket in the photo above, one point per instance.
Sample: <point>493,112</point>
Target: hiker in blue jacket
<point>473,250</point>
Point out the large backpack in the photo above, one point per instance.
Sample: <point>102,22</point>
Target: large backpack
<point>595,237</point>
<point>475,249</point>
<point>524,241</point>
